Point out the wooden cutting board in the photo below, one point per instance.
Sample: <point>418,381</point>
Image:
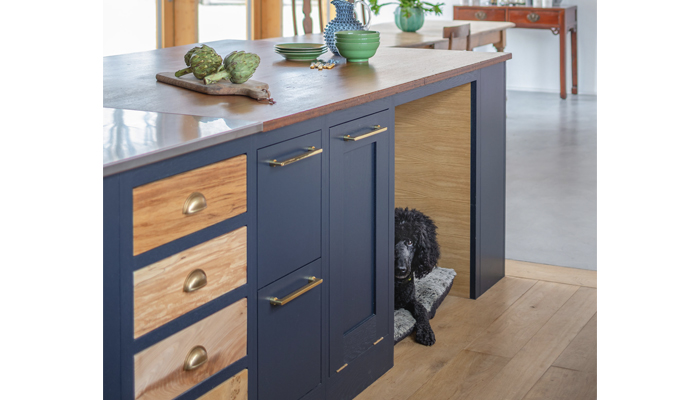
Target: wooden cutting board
<point>255,89</point>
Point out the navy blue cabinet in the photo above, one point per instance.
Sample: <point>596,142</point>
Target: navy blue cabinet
<point>289,206</point>
<point>360,257</point>
<point>289,335</point>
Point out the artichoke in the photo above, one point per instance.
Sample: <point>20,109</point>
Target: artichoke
<point>238,67</point>
<point>201,61</point>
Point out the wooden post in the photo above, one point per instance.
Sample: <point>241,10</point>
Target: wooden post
<point>266,19</point>
<point>179,22</point>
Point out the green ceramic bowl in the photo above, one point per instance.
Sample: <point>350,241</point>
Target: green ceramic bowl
<point>357,40</point>
<point>355,34</point>
<point>357,52</point>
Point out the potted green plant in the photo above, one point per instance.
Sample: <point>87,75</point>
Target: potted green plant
<point>410,14</point>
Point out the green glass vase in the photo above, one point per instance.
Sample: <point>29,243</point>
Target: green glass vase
<point>409,24</point>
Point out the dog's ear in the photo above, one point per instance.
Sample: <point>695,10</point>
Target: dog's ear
<point>427,249</point>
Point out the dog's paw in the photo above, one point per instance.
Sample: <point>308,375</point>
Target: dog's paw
<point>425,336</point>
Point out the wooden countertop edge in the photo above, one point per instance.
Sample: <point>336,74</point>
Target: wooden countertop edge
<point>380,94</point>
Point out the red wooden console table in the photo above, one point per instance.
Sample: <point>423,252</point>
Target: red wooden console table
<point>558,20</point>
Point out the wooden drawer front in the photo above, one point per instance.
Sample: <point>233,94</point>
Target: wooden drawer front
<point>159,370</point>
<point>158,206</point>
<point>234,388</point>
<point>159,294</point>
<point>532,19</point>
<point>289,207</point>
<point>479,14</point>
<point>289,337</point>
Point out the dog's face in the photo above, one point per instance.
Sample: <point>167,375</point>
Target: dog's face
<point>403,258</point>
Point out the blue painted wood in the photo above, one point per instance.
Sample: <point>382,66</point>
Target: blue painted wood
<point>289,337</point>
<point>489,167</point>
<point>359,254</point>
<point>111,323</point>
<point>289,208</point>
<point>360,373</point>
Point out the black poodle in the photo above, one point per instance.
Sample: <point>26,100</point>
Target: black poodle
<point>416,252</point>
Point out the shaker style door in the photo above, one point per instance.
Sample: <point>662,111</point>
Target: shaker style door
<point>289,206</point>
<point>359,249</point>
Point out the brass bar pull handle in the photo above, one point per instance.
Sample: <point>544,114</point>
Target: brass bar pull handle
<point>533,17</point>
<point>196,358</point>
<point>310,151</point>
<point>377,129</point>
<point>480,15</point>
<point>313,282</point>
<point>196,280</point>
<point>194,204</point>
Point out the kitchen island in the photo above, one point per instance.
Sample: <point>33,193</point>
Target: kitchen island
<point>248,247</point>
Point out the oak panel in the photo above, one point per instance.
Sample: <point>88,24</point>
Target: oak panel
<point>582,353</point>
<point>158,370</point>
<point>532,361</point>
<point>512,330</point>
<point>552,273</point>
<point>457,322</point>
<point>433,169</point>
<point>234,388</point>
<point>158,288</point>
<point>158,217</point>
<point>558,383</point>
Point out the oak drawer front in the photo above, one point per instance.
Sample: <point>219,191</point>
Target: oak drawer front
<point>289,336</point>
<point>289,206</point>
<point>159,207</point>
<point>534,18</point>
<point>182,282</point>
<point>159,371</point>
<point>479,14</point>
<point>234,388</point>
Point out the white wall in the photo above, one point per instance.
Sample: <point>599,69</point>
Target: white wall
<point>535,63</point>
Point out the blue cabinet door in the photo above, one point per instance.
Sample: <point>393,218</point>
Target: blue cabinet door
<point>360,258</point>
<point>289,206</point>
<point>289,336</point>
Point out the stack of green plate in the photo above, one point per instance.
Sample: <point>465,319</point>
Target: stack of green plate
<point>300,51</point>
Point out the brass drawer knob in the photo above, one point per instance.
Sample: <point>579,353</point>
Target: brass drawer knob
<point>196,358</point>
<point>533,17</point>
<point>480,15</point>
<point>194,204</point>
<point>196,280</point>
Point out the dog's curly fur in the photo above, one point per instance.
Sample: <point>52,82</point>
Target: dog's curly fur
<point>416,252</point>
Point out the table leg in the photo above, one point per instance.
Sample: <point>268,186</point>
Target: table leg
<point>562,62</point>
<point>574,63</point>
<point>501,45</point>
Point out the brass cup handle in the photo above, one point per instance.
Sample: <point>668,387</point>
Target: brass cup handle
<point>194,204</point>
<point>310,151</point>
<point>377,129</point>
<point>196,280</point>
<point>533,17</point>
<point>480,15</point>
<point>196,358</point>
<point>313,282</point>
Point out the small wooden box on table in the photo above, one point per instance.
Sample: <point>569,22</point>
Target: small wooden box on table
<point>558,20</point>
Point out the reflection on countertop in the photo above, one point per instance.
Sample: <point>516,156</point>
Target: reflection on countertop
<point>132,138</point>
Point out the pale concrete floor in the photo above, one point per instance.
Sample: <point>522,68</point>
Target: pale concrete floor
<point>551,179</point>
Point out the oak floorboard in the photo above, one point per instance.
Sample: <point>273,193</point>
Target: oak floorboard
<point>460,375</point>
<point>523,371</point>
<point>552,273</point>
<point>560,383</point>
<point>457,322</point>
<point>581,354</point>
<point>512,330</point>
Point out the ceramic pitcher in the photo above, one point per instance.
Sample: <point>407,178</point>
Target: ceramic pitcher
<point>344,21</point>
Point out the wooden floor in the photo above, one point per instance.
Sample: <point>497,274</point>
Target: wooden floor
<point>531,336</point>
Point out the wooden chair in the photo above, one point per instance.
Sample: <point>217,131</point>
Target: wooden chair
<point>458,35</point>
<point>307,23</point>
